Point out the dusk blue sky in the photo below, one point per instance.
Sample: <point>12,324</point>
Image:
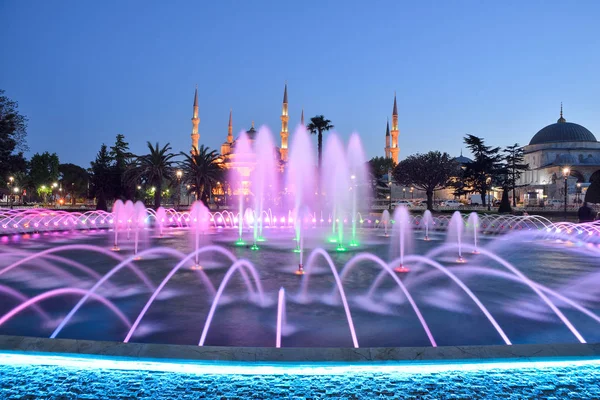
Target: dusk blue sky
<point>83,71</point>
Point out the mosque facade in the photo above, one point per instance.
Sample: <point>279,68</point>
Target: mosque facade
<point>559,151</point>
<point>245,167</point>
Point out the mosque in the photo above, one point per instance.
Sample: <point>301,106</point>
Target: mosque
<point>559,151</point>
<point>244,167</point>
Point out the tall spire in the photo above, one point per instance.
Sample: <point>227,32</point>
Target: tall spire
<point>387,139</point>
<point>561,119</point>
<point>284,126</point>
<point>394,150</point>
<point>230,128</point>
<point>195,122</point>
<point>302,117</point>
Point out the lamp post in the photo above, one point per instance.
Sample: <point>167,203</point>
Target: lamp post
<point>390,185</point>
<point>16,192</point>
<point>412,193</point>
<point>578,192</point>
<point>11,180</point>
<point>54,186</point>
<point>179,174</point>
<point>566,172</point>
<point>404,193</point>
<point>488,182</point>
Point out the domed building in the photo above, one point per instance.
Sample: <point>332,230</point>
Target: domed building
<point>553,149</point>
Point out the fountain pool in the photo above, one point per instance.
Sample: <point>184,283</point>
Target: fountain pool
<point>189,285</point>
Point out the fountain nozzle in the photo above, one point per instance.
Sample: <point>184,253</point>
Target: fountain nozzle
<point>401,269</point>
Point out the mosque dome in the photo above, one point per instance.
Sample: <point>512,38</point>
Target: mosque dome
<point>251,132</point>
<point>563,131</point>
<point>462,159</point>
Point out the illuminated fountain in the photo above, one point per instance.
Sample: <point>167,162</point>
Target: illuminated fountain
<point>427,223</point>
<point>456,228</point>
<point>527,280</point>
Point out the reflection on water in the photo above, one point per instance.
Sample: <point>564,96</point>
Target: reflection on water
<point>381,314</point>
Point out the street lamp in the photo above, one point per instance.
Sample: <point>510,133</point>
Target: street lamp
<point>578,192</point>
<point>566,172</point>
<point>488,182</point>
<point>412,193</point>
<point>179,174</point>
<point>10,182</point>
<point>15,191</point>
<point>390,185</point>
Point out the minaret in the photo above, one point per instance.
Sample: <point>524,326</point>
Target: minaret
<point>302,118</point>
<point>195,122</point>
<point>561,119</point>
<point>395,149</point>
<point>387,139</point>
<point>230,129</point>
<point>284,126</point>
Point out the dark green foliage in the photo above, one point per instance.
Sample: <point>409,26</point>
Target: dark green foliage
<point>379,167</point>
<point>515,166</point>
<point>504,203</point>
<point>121,158</point>
<point>318,124</point>
<point>479,175</point>
<point>201,171</point>
<point>428,172</point>
<point>101,178</point>
<point>43,169</point>
<point>153,169</point>
<point>74,180</point>
<point>13,130</point>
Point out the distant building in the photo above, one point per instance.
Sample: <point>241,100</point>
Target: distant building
<point>556,147</point>
<point>391,148</point>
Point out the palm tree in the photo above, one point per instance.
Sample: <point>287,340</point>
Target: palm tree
<point>317,126</point>
<point>201,171</point>
<point>153,168</point>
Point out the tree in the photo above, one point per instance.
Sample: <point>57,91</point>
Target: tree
<point>379,167</point>
<point>201,171</point>
<point>101,178</point>
<point>121,157</point>
<point>513,159</point>
<point>317,126</point>
<point>13,131</point>
<point>43,169</point>
<point>153,169</point>
<point>428,172</point>
<point>74,180</point>
<point>483,171</point>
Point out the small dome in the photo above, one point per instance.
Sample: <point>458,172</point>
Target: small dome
<point>251,132</point>
<point>462,160</point>
<point>563,131</point>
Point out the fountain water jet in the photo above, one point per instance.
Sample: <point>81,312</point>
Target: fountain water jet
<point>427,221</point>
<point>456,228</point>
<point>238,264</point>
<point>403,227</point>
<point>280,316</point>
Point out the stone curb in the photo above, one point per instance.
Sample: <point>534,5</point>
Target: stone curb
<point>166,352</point>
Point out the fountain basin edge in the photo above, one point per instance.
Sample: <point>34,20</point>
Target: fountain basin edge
<point>40,349</point>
